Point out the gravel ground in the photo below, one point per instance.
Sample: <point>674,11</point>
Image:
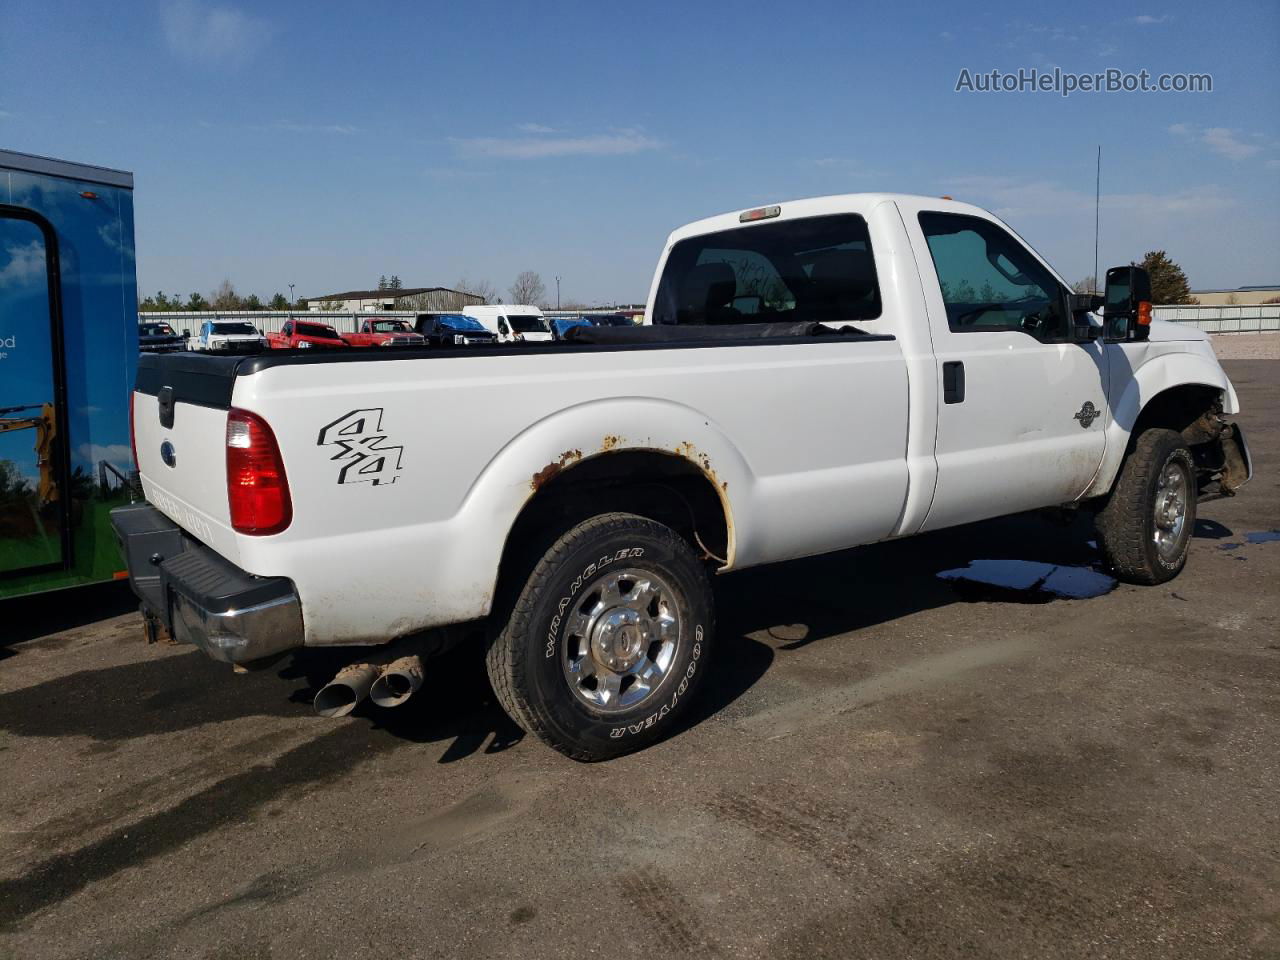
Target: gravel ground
<point>1246,346</point>
<point>883,764</point>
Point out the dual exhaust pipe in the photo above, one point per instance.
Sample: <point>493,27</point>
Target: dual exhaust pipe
<point>387,685</point>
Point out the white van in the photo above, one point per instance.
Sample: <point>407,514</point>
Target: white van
<point>512,321</point>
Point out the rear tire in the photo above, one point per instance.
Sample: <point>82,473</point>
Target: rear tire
<point>607,640</point>
<point>1145,528</point>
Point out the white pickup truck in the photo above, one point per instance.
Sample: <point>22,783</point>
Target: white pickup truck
<point>812,376</point>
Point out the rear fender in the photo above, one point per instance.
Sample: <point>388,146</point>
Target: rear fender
<point>571,436</point>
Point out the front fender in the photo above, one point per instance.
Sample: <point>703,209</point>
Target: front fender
<point>1154,376</point>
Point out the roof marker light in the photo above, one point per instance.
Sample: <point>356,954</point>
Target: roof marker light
<point>759,213</point>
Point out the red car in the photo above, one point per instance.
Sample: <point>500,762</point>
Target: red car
<point>305,334</point>
<point>385,333</point>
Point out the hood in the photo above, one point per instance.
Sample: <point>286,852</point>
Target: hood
<point>1163,331</point>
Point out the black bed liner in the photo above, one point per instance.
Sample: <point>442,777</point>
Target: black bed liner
<point>207,379</point>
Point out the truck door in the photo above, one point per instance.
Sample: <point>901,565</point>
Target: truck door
<point>33,483</point>
<point>1022,410</point>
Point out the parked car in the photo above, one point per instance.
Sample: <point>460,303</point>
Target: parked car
<point>229,336</point>
<point>384,333</point>
<point>512,322</point>
<point>306,334</point>
<point>562,325</point>
<point>611,320</point>
<point>453,330</point>
<point>816,375</point>
<point>159,338</point>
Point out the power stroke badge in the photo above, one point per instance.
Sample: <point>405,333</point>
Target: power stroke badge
<point>1087,414</point>
<point>364,452</point>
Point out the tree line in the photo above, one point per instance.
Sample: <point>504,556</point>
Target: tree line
<point>223,297</point>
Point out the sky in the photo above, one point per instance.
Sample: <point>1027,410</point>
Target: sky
<point>326,144</point>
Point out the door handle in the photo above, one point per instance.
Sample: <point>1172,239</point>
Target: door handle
<point>953,382</point>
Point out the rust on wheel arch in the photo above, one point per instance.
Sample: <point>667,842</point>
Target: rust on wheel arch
<point>553,468</point>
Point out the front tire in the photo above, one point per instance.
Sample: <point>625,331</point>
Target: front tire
<point>1145,528</point>
<point>607,640</point>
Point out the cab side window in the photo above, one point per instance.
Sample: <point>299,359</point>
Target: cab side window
<point>990,281</point>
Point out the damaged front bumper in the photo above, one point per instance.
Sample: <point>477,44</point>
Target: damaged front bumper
<point>201,597</point>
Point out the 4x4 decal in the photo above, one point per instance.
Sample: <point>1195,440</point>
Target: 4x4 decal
<point>363,450</point>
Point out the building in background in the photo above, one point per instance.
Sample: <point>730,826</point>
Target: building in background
<point>1240,296</point>
<point>421,299</point>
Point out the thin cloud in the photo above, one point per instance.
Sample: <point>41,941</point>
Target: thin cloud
<point>6,115</point>
<point>1146,19</point>
<point>291,126</point>
<point>1012,200</point>
<point>212,35</point>
<point>1221,140</point>
<point>619,143</point>
<point>535,128</point>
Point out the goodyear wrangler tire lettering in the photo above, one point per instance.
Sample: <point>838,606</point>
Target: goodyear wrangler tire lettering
<point>607,639</point>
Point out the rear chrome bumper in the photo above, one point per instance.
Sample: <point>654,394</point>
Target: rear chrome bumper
<point>201,597</point>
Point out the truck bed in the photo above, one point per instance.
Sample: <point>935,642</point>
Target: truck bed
<point>465,438</point>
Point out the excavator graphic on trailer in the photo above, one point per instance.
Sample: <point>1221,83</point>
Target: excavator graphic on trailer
<point>46,427</point>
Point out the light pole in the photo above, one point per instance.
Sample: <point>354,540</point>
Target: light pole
<point>557,293</point>
<point>291,301</point>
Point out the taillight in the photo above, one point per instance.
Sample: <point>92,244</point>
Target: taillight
<point>133,433</point>
<point>257,488</point>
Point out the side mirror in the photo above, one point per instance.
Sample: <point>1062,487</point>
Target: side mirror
<point>186,333</point>
<point>1085,302</point>
<point>1127,303</point>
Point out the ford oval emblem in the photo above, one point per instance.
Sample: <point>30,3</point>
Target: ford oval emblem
<point>168,454</point>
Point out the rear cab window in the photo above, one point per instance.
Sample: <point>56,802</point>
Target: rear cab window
<point>813,269</point>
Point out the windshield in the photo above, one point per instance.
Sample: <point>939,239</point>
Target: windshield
<point>235,328</point>
<point>317,330</point>
<point>527,323</point>
<point>805,270</point>
<point>157,330</point>
<point>389,326</point>
<point>456,321</point>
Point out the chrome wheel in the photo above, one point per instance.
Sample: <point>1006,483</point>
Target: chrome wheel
<point>1173,493</point>
<point>621,639</point>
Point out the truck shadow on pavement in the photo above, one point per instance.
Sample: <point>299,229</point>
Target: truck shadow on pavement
<point>762,611</point>
<point>765,613</point>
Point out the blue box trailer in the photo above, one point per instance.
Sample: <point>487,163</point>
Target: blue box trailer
<point>68,355</point>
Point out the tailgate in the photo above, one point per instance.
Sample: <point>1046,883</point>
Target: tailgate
<point>180,423</point>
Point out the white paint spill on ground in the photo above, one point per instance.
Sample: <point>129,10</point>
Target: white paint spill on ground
<point>1070,583</point>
